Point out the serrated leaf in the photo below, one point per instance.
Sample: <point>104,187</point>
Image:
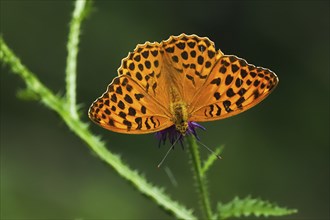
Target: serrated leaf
<point>251,207</point>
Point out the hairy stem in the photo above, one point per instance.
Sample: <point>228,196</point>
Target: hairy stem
<point>199,177</point>
<point>78,15</point>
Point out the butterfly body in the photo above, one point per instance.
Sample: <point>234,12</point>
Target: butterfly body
<point>166,87</point>
<point>180,116</point>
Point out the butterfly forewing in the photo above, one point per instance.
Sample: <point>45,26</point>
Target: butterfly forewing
<point>189,60</point>
<point>126,108</point>
<point>144,65</point>
<point>182,63</point>
<point>232,87</point>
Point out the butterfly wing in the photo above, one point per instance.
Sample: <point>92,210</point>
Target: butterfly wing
<point>232,87</point>
<point>189,59</point>
<point>177,66</point>
<point>183,68</point>
<point>145,65</point>
<point>127,108</point>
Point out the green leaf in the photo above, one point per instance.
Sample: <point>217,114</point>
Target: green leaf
<point>251,207</point>
<point>211,159</point>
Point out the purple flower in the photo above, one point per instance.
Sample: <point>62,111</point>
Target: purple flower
<point>173,135</point>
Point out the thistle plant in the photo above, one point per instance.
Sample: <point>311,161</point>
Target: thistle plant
<point>68,110</point>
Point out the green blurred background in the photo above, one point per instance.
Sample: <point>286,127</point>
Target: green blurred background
<point>278,150</point>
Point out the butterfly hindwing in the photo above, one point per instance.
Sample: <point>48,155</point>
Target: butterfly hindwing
<point>126,108</point>
<point>233,86</point>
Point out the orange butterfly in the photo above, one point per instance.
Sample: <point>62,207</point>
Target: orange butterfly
<point>166,87</point>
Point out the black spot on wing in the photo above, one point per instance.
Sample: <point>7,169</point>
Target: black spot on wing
<point>230,92</point>
<point>131,111</point>
<point>228,80</point>
<point>121,105</point>
<point>216,81</point>
<point>145,54</point>
<point>191,79</point>
<point>147,124</point>
<point>138,120</point>
<point>218,113</point>
<point>181,45</point>
<point>138,96</point>
<point>152,121</point>
<point>239,102</point>
<point>128,99</point>
<point>234,68</point>
<point>143,109</point>
<point>226,105</point>
<point>128,124</point>
<point>217,95</point>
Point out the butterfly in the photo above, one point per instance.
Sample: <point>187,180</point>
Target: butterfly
<point>168,87</point>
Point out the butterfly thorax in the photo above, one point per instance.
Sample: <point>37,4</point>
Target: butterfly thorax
<point>180,116</point>
<point>178,109</point>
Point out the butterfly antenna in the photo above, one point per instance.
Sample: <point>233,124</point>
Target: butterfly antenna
<point>169,150</point>
<point>218,156</point>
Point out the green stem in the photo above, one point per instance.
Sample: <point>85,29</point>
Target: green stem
<point>78,15</point>
<point>80,128</point>
<point>200,178</point>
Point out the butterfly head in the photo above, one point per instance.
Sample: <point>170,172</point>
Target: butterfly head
<point>182,127</point>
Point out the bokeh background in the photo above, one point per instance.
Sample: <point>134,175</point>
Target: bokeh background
<point>278,151</point>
